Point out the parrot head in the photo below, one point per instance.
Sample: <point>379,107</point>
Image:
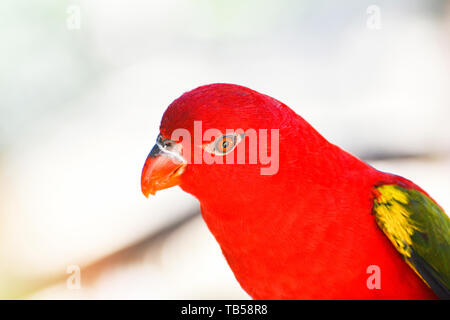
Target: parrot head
<point>207,143</point>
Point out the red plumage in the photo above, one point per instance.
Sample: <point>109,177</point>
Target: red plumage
<point>307,232</point>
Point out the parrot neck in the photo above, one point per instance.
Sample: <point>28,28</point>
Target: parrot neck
<point>260,209</point>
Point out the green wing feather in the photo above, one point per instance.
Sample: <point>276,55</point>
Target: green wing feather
<point>420,231</point>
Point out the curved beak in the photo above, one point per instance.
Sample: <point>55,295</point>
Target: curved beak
<point>163,167</point>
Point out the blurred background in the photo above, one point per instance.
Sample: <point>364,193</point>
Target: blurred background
<point>83,85</point>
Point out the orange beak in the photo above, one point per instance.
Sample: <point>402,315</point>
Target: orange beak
<point>162,169</point>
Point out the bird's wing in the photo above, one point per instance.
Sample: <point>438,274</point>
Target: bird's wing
<point>420,231</point>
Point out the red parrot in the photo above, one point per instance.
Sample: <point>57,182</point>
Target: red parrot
<point>322,225</point>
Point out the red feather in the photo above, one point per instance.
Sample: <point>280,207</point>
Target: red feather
<point>306,232</point>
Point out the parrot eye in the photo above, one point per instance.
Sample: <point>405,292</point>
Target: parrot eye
<point>224,144</point>
<point>165,143</point>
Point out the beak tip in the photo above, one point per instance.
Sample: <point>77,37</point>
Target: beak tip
<point>148,192</point>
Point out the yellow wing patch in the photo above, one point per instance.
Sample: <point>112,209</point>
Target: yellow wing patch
<point>420,231</point>
<point>393,218</point>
